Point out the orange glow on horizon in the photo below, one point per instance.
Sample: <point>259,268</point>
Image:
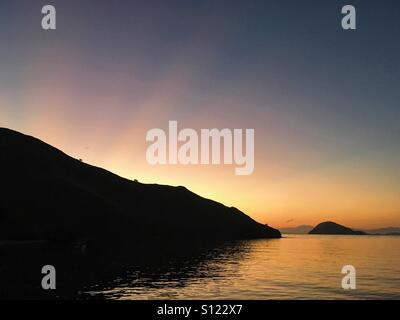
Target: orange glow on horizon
<point>293,181</point>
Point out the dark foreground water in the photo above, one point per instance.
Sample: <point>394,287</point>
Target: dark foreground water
<point>295,267</point>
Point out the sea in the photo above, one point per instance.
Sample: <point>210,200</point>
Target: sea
<point>294,267</point>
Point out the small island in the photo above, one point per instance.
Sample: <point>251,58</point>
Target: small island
<point>334,228</point>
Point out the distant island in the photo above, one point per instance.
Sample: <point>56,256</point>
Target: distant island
<point>303,229</point>
<point>334,228</point>
<point>48,195</point>
<point>388,231</point>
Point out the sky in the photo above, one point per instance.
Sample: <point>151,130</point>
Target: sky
<point>324,102</point>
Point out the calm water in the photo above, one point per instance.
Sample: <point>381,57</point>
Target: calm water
<point>295,267</point>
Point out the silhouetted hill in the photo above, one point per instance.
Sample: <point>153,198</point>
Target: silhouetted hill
<point>49,195</point>
<point>297,230</point>
<point>334,228</point>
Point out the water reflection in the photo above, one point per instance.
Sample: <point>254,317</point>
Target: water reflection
<point>167,275</point>
<point>295,267</point>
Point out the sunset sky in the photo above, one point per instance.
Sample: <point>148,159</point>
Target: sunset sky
<point>324,102</point>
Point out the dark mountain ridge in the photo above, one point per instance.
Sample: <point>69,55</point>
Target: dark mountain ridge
<point>48,195</point>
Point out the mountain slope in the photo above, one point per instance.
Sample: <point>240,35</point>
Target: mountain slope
<point>334,228</point>
<point>49,195</point>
